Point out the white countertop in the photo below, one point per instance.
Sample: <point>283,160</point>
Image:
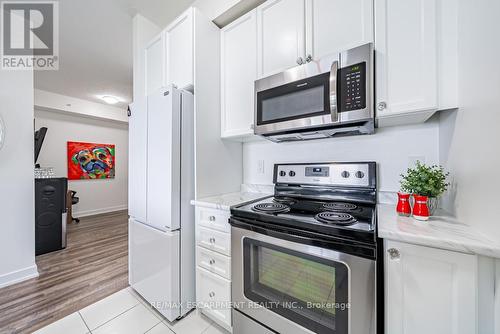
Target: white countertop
<point>226,201</point>
<point>441,231</point>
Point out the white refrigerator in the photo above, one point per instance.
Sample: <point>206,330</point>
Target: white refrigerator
<point>161,186</point>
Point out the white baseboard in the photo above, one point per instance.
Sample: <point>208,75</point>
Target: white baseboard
<point>18,276</point>
<point>85,213</point>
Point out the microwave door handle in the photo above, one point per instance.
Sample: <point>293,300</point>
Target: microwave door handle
<point>333,91</point>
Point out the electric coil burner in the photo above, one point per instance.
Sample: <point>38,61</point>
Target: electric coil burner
<point>271,208</point>
<point>284,200</point>
<point>338,206</point>
<point>313,243</point>
<point>335,218</point>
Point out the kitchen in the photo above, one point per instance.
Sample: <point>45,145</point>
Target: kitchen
<point>281,153</point>
<point>278,63</point>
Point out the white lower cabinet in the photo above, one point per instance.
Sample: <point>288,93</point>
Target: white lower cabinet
<point>429,290</point>
<point>213,265</point>
<point>214,292</point>
<point>214,240</point>
<point>214,262</point>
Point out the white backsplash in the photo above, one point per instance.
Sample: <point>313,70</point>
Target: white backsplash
<point>393,148</point>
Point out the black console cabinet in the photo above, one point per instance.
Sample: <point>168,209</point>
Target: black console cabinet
<point>50,214</point>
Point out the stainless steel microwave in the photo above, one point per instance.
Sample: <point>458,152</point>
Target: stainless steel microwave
<point>329,97</point>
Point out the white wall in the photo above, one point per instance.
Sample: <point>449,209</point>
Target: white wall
<point>71,105</point>
<point>96,196</point>
<point>17,220</point>
<point>393,148</point>
<point>214,8</point>
<point>471,151</point>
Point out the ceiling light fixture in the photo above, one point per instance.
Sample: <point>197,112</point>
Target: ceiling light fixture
<point>109,99</point>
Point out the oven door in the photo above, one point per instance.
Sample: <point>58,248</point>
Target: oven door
<point>292,287</point>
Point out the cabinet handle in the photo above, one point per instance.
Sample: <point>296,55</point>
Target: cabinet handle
<point>309,58</point>
<point>211,294</point>
<point>381,106</point>
<point>394,253</point>
<point>300,61</point>
<point>212,261</point>
<point>211,218</point>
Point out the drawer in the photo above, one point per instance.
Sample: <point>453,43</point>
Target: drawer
<point>214,262</point>
<point>214,292</point>
<point>213,219</point>
<point>214,240</point>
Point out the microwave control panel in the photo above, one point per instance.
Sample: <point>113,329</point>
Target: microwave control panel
<point>352,87</point>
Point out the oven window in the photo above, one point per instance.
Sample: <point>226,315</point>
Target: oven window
<point>300,99</point>
<point>308,290</point>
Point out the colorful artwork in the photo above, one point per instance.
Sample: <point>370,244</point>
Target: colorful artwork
<point>90,161</point>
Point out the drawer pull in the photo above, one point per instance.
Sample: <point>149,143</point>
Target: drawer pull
<point>212,261</point>
<point>211,218</point>
<point>211,294</point>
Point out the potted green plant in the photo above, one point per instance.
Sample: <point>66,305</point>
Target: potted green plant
<point>430,181</point>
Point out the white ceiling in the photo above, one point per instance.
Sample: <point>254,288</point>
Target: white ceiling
<point>95,46</point>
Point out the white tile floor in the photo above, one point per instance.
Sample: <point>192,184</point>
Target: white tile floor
<point>126,313</point>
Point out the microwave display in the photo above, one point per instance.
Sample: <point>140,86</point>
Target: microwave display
<point>352,87</point>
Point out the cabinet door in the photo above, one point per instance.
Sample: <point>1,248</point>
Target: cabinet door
<point>406,56</point>
<point>336,25</point>
<point>238,74</point>
<point>429,290</point>
<point>213,292</point>
<point>155,64</point>
<point>280,38</point>
<point>179,51</point>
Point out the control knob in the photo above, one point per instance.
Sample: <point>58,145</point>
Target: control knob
<point>345,174</point>
<point>359,174</point>
<point>292,173</point>
<point>282,173</point>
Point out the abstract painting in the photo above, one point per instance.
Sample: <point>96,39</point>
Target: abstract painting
<point>90,161</point>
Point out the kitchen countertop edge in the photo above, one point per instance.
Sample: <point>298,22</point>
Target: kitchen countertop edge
<point>441,231</point>
<point>226,201</point>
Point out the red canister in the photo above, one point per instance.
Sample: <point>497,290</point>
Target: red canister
<point>403,208</point>
<point>420,208</point>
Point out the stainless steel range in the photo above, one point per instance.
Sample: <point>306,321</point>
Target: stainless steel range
<point>305,260</point>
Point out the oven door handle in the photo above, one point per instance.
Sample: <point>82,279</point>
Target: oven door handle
<point>340,245</point>
<point>333,91</point>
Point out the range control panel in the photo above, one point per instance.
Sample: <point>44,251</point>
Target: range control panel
<point>331,174</point>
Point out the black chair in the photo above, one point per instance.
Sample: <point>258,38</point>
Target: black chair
<point>74,200</point>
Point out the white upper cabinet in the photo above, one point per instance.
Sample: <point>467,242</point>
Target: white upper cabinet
<point>179,51</point>
<point>238,73</point>
<point>429,290</point>
<point>280,35</point>
<point>336,25</point>
<point>155,64</point>
<point>406,57</point>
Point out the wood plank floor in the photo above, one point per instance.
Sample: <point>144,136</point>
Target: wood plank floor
<point>93,266</point>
